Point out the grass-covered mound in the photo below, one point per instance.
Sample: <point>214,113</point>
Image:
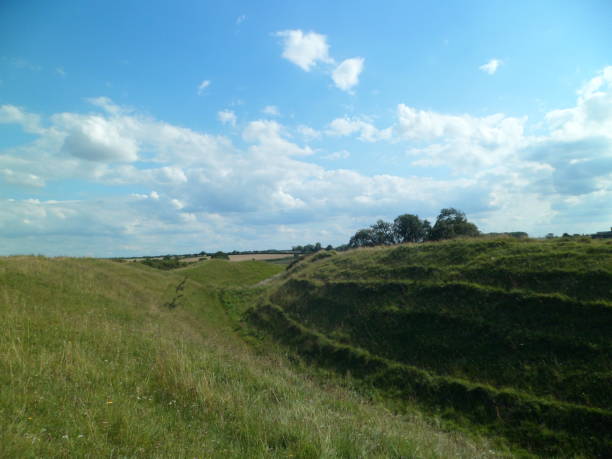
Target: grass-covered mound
<point>93,364</point>
<point>513,335</point>
<point>223,273</point>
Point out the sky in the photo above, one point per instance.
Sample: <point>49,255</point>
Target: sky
<point>138,128</point>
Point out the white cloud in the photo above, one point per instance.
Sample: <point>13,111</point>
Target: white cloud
<point>592,115</point>
<point>107,105</point>
<point>271,110</point>
<point>227,117</point>
<point>429,125</point>
<point>307,132</point>
<point>579,146</point>
<point>96,138</point>
<point>346,75</point>
<point>202,86</point>
<point>21,178</point>
<point>269,141</point>
<point>342,154</point>
<point>304,49</point>
<point>10,114</point>
<point>177,203</point>
<point>491,66</point>
<point>240,19</point>
<point>208,189</point>
<point>367,132</point>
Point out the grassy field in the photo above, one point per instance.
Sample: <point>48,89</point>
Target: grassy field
<point>512,337</point>
<point>93,364</point>
<point>260,257</point>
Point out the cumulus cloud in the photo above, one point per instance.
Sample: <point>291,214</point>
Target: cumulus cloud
<point>346,75</point>
<point>269,140</point>
<point>10,114</point>
<point>96,138</point>
<point>592,115</point>
<point>271,194</point>
<point>491,66</point>
<point>21,178</point>
<point>304,49</point>
<point>307,132</point>
<point>227,117</point>
<point>428,125</point>
<point>271,110</point>
<point>579,146</point>
<point>367,132</point>
<point>202,86</point>
<point>342,154</point>
<point>461,142</point>
<point>107,105</point>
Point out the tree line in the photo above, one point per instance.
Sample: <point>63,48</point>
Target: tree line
<point>450,223</point>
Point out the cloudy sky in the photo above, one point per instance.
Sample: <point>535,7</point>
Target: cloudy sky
<point>133,127</point>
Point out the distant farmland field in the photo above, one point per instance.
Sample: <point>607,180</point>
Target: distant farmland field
<point>259,256</point>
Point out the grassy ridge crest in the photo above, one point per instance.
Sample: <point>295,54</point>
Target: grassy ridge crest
<point>527,357</point>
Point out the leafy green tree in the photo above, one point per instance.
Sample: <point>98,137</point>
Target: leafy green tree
<point>410,228</point>
<point>308,248</point>
<point>452,223</point>
<point>382,233</point>
<point>362,238</point>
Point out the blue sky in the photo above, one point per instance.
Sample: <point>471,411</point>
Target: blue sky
<point>131,128</point>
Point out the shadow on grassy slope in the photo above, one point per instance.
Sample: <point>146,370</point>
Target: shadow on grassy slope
<point>91,363</point>
<point>418,322</point>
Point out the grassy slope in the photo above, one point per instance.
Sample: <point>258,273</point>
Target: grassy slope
<point>484,329</point>
<point>222,273</point>
<point>92,363</point>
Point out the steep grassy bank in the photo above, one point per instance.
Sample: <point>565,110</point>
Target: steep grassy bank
<point>510,335</point>
<point>93,364</point>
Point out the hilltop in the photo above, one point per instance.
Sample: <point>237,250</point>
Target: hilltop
<point>497,334</point>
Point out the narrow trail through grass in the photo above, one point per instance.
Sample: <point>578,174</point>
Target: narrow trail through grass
<point>93,364</point>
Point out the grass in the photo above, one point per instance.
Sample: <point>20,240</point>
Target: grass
<point>222,273</point>
<point>93,363</point>
<point>510,336</point>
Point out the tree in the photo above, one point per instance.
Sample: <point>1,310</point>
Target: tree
<point>382,233</point>
<point>410,228</point>
<point>362,238</point>
<point>308,248</point>
<point>452,223</point>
